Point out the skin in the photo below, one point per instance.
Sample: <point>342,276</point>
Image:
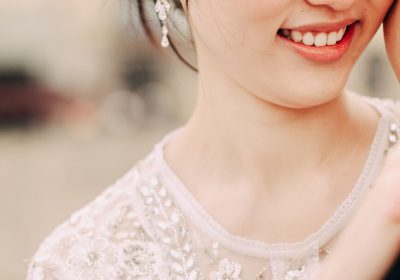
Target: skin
<point>381,208</point>
<point>240,42</point>
<point>392,37</point>
<point>375,230</point>
<point>370,244</point>
<point>258,100</point>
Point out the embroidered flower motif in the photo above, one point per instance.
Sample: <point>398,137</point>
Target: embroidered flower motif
<point>41,264</point>
<point>94,259</point>
<point>124,224</point>
<point>296,274</point>
<point>36,273</point>
<point>227,270</point>
<point>140,259</point>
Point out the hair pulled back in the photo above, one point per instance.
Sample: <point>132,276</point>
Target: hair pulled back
<point>149,33</point>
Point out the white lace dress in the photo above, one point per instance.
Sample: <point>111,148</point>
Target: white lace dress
<point>147,225</point>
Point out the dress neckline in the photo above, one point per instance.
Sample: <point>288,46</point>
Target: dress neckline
<point>257,248</point>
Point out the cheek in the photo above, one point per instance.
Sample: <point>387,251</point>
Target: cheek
<point>250,9</point>
<point>231,20</point>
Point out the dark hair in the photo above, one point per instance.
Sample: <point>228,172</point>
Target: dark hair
<point>149,32</point>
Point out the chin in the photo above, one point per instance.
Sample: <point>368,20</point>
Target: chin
<point>311,101</point>
<point>312,94</point>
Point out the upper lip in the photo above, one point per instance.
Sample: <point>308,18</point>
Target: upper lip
<point>323,26</point>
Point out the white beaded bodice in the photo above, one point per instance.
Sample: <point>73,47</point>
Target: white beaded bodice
<point>147,225</point>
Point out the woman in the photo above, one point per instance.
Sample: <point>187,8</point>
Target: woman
<point>264,178</point>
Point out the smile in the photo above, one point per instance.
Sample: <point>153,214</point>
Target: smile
<point>318,39</point>
<point>320,43</point>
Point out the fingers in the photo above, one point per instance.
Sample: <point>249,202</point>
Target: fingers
<point>390,182</point>
<point>392,37</point>
<point>370,243</point>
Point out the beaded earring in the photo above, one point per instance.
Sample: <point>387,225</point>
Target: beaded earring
<point>162,7</point>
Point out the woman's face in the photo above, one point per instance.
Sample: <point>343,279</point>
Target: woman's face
<point>252,43</point>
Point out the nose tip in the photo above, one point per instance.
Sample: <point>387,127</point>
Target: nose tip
<point>338,5</point>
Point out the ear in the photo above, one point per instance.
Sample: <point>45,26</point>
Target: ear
<point>183,4</point>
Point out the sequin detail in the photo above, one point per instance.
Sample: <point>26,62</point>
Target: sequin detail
<point>170,229</point>
<point>136,230</point>
<point>227,270</point>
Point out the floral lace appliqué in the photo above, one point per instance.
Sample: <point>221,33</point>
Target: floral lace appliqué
<point>170,228</point>
<point>296,274</point>
<point>94,259</point>
<point>227,270</point>
<point>40,265</point>
<point>140,260</point>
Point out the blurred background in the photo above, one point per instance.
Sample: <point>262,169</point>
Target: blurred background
<point>83,96</point>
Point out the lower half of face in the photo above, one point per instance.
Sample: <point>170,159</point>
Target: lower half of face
<point>294,53</point>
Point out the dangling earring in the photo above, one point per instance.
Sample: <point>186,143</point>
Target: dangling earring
<point>162,7</point>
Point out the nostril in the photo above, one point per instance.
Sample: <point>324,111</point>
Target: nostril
<point>338,5</point>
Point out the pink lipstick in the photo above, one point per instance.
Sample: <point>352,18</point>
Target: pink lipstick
<point>327,53</point>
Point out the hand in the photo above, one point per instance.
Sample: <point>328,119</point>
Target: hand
<point>392,36</point>
<point>371,242</point>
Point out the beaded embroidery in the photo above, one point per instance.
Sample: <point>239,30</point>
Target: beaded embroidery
<point>394,133</point>
<point>135,230</point>
<point>227,270</point>
<point>171,229</point>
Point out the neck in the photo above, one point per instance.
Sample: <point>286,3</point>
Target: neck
<point>234,136</point>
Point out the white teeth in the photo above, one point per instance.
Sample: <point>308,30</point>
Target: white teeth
<point>296,36</point>
<point>332,38</point>
<point>320,39</point>
<point>340,34</point>
<point>308,39</point>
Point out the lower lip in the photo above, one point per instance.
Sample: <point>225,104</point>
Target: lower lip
<point>325,54</point>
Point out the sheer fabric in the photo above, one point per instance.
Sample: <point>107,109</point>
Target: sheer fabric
<point>147,225</point>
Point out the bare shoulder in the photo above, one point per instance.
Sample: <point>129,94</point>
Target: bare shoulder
<point>99,241</point>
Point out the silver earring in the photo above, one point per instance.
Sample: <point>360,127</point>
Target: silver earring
<point>162,7</point>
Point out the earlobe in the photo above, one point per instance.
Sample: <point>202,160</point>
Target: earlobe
<point>184,4</point>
